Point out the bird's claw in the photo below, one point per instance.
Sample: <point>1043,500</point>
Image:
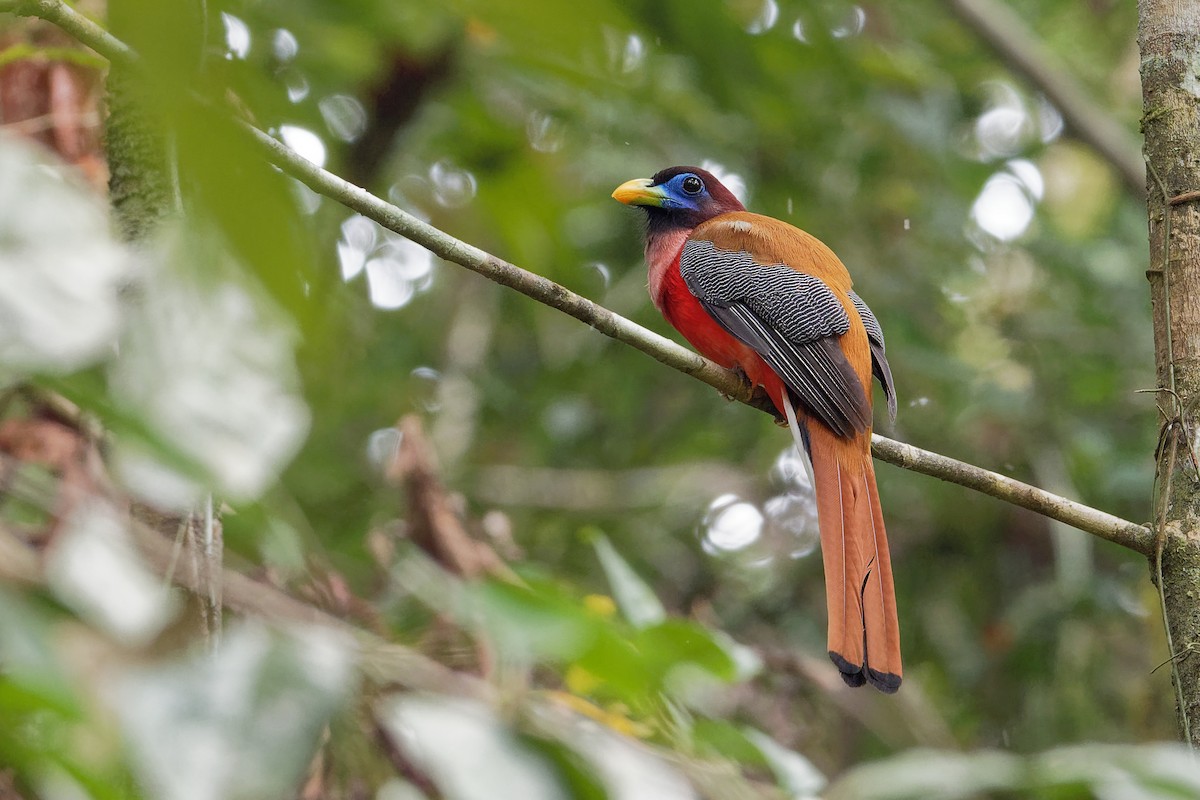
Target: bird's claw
<point>747,387</point>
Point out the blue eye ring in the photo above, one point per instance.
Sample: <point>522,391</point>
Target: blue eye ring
<point>692,185</point>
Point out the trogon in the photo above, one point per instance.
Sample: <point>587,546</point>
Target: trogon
<point>761,296</point>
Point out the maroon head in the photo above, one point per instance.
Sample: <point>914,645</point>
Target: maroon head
<point>678,197</point>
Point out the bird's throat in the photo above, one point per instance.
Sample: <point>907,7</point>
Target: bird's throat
<point>662,254</point>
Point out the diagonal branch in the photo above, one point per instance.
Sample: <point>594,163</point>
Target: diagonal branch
<point>1128,534</point>
<point>1022,50</point>
<point>1098,523</point>
<point>1090,520</point>
<point>496,269</point>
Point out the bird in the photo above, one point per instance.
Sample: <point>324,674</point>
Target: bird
<point>762,297</point>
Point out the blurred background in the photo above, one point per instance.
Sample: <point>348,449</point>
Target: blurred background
<point>1004,258</point>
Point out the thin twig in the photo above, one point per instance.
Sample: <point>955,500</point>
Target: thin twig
<point>1098,523</point>
<point>1186,197</point>
<point>1163,501</point>
<point>1160,542</point>
<point>1020,48</point>
<point>432,523</point>
<point>496,269</point>
<point>76,24</point>
<point>1089,520</point>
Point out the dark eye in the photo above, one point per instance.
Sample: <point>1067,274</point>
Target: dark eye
<point>693,185</point>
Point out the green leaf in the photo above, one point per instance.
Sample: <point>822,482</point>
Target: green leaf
<point>27,653</point>
<point>534,621</point>
<point>718,737</point>
<point>253,205</point>
<point>675,642</point>
<point>634,596</point>
<point>620,666</point>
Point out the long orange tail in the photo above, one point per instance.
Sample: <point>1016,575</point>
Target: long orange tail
<point>864,634</point>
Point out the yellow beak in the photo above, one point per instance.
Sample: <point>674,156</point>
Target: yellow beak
<point>639,192</point>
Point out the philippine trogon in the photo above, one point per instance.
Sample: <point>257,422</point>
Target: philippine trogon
<point>758,295</point>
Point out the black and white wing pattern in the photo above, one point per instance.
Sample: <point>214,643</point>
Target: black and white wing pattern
<point>791,320</point>
<point>879,362</point>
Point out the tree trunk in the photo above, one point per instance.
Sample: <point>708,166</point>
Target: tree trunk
<point>1169,38</point>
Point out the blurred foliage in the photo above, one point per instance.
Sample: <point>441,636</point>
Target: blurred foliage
<point>1000,255</point>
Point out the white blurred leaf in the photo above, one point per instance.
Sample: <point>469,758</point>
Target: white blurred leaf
<point>628,770</point>
<point>208,365</point>
<point>746,661</point>
<point>94,568</point>
<point>1142,772</point>
<point>795,773</point>
<point>1130,772</point>
<point>931,775</point>
<point>395,789</point>
<point>55,783</point>
<point>238,724</point>
<point>634,596</point>
<point>152,480</point>
<point>467,750</point>
<point>60,268</point>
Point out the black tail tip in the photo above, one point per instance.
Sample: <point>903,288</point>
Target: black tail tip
<point>855,675</point>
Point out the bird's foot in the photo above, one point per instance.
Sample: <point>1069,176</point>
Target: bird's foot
<point>758,397</point>
<point>747,386</point>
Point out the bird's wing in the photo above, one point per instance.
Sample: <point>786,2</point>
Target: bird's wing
<point>879,362</point>
<point>793,319</point>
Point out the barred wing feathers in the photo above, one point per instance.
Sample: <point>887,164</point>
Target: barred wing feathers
<point>793,319</point>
